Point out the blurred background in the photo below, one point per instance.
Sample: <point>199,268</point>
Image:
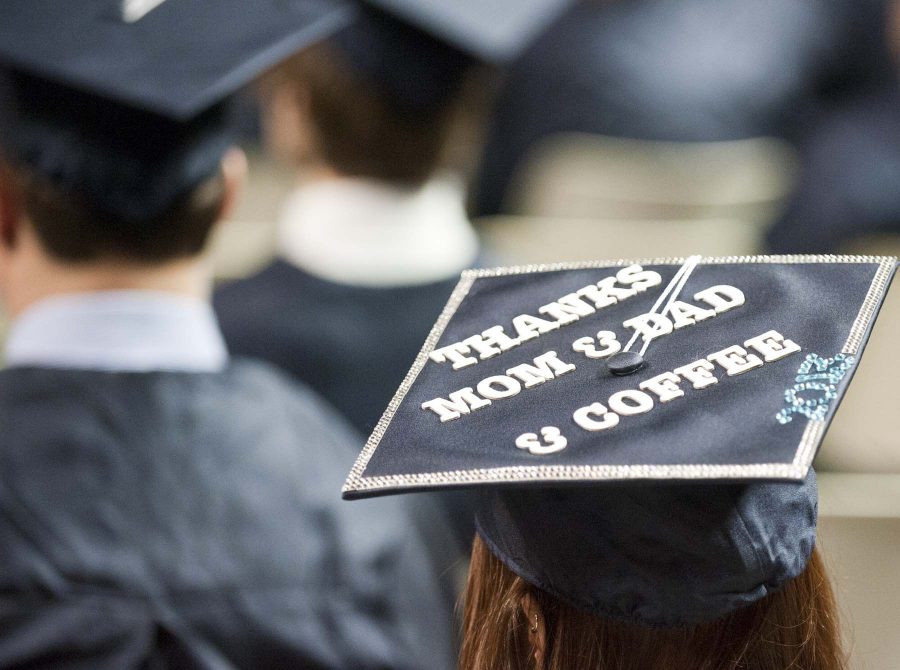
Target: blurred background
<point>654,128</point>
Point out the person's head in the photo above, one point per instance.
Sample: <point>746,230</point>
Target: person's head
<point>88,182</point>
<point>509,624</point>
<point>115,134</point>
<point>376,101</point>
<point>674,503</point>
<point>682,576</point>
<point>71,229</point>
<point>96,179</point>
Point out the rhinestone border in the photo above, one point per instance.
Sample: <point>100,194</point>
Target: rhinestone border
<point>358,483</point>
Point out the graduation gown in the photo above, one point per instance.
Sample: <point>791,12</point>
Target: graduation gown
<point>352,344</point>
<point>194,520</point>
<point>680,70</point>
<point>850,183</point>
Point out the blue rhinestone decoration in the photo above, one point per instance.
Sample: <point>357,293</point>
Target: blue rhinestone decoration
<point>816,386</point>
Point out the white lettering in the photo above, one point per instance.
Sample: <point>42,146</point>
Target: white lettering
<point>641,402</point>
<point>455,353</point>
<point>491,342</point>
<point>664,386</point>
<point>529,327</point>
<point>605,292</point>
<point>552,440</point>
<point>639,278</point>
<point>567,309</point>
<point>650,326</point>
<point>698,373</point>
<point>583,418</point>
<point>735,360</point>
<point>684,314</point>
<point>721,297</point>
<point>546,367</point>
<point>772,345</point>
<point>460,402</point>
<point>605,338</point>
<point>508,387</point>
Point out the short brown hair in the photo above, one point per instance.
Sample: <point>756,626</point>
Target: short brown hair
<point>795,627</point>
<point>359,130</point>
<point>72,229</point>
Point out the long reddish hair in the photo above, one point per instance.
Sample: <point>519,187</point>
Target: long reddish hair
<point>795,628</point>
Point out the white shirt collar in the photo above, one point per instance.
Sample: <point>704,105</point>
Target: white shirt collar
<point>365,233</point>
<point>123,331</point>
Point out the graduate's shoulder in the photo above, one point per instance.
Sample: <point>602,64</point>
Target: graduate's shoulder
<point>275,281</point>
<point>284,397</point>
<point>249,395</point>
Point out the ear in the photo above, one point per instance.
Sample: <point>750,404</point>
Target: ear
<point>234,173</point>
<point>537,629</point>
<point>10,209</point>
<point>287,122</point>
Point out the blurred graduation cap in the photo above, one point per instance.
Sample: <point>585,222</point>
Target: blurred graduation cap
<point>125,101</point>
<point>418,50</point>
<point>495,31</point>
<point>640,433</point>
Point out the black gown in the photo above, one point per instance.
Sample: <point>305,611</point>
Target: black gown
<point>194,520</point>
<point>850,183</point>
<point>681,70</point>
<point>352,344</point>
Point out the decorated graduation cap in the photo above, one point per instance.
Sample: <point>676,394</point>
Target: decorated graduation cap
<point>418,50</point>
<point>640,433</point>
<point>125,101</point>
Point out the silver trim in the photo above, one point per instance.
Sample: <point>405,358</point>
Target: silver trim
<point>812,434</point>
<point>676,260</point>
<point>871,301</point>
<point>453,303</point>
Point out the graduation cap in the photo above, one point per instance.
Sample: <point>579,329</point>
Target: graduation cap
<point>640,433</point>
<point>494,31</point>
<point>418,50</point>
<point>123,101</point>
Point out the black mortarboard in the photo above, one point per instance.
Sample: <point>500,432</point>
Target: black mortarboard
<point>122,101</point>
<point>418,50</point>
<point>494,31</point>
<point>640,432</point>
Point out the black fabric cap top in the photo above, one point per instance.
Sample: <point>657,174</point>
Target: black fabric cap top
<point>122,160</point>
<point>414,70</point>
<point>494,31</point>
<point>667,492</point>
<point>664,555</point>
<point>125,102</point>
<point>172,57</point>
<point>417,51</point>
